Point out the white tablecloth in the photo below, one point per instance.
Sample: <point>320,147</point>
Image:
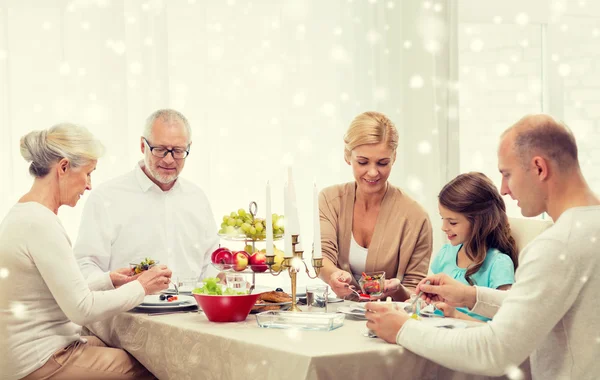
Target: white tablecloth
<point>188,346</point>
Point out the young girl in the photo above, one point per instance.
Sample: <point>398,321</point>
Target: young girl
<point>482,250</point>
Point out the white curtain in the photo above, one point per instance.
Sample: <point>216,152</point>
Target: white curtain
<point>265,84</point>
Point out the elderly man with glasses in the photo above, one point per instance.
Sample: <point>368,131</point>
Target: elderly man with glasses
<point>150,212</point>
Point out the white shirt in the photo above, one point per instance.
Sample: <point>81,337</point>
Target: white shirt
<point>357,258</point>
<point>130,218</point>
<point>551,312</point>
<point>45,298</point>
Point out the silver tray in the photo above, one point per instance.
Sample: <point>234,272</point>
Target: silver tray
<point>300,320</point>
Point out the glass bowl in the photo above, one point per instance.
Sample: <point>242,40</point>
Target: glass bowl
<point>372,283</point>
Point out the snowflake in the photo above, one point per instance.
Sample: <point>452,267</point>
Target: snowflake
<point>135,68</point>
<point>438,7</point>
<point>373,37</point>
<point>416,81</point>
<point>593,239</point>
<point>407,44</point>
<point>85,25</point>
<point>391,5</point>
<point>19,310</point>
<point>64,68</point>
<point>584,279</point>
<point>299,99</point>
<point>4,272</point>
<point>522,19</point>
<point>427,4</point>
<point>555,57</point>
<point>337,31</point>
<point>339,54</point>
<point>562,257</point>
<point>424,147</point>
<point>328,109</point>
<point>596,32</point>
<point>476,45</point>
<point>514,373</point>
<point>502,69</point>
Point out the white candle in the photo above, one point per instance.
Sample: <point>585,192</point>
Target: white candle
<point>269,221</point>
<point>317,225</point>
<point>287,236</point>
<point>294,222</point>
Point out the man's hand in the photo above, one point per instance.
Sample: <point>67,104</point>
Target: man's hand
<point>122,276</point>
<point>384,321</point>
<point>443,288</point>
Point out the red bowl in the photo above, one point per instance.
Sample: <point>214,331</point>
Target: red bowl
<point>226,308</point>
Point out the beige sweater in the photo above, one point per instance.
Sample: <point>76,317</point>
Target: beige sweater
<point>401,243</point>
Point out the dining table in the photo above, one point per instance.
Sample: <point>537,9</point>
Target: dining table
<point>187,346</point>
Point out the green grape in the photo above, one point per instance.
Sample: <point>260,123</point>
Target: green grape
<point>224,224</point>
<point>242,212</point>
<point>233,215</point>
<point>239,222</point>
<point>231,222</point>
<point>252,230</point>
<point>259,227</point>
<point>245,227</point>
<point>225,218</point>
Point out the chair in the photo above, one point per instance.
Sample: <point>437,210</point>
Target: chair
<point>525,230</point>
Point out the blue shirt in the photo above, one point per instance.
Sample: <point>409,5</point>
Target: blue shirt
<point>497,270</point>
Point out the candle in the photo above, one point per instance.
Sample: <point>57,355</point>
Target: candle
<point>269,222</point>
<point>317,225</point>
<point>292,215</point>
<point>287,236</point>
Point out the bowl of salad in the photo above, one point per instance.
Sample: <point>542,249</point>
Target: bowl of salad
<point>223,304</point>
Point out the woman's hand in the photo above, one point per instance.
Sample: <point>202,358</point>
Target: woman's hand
<point>155,279</point>
<point>340,281</point>
<point>390,287</point>
<point>122,276</point>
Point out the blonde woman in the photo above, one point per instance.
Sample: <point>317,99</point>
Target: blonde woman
<point>370,225</point>
<point>48,297</point>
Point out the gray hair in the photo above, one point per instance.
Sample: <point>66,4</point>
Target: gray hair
<point>167,115</point>
<point>46,147</point>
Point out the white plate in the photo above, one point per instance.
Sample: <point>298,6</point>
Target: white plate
<point>154,300</point>
<point>348,310</point>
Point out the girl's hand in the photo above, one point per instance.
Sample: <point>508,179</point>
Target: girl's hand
<point>449,311</point>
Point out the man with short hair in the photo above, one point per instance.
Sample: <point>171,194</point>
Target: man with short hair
<point>150,211</point>
<point>551,312</point>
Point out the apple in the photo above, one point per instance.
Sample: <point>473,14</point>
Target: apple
<point>223,257</point>
<point>240,260</point>
<point>213,256</point>
<point>258,262</point>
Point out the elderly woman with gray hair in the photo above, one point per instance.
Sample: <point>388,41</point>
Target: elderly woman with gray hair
<point>48,297</point>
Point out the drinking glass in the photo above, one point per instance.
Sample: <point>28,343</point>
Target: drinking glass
<point>316,298</point>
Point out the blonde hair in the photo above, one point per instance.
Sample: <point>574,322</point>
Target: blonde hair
<point>370,128</point>
<point>46,147</point>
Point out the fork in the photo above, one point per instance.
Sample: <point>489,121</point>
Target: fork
<point>176,288</point>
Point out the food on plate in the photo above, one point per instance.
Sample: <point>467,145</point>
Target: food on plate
<point>167,297</point>
<point>276,297</point>
<point>243,223</point>
<point>271,301</point>
<point>211,286</point>
<point>143,265</point>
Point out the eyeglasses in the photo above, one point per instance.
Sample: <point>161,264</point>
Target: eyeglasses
<point>159,151</point>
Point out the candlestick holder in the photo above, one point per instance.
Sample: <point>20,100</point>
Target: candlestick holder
<point>294,264</point>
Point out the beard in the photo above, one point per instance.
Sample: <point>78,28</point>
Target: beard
<point>165,179</point>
